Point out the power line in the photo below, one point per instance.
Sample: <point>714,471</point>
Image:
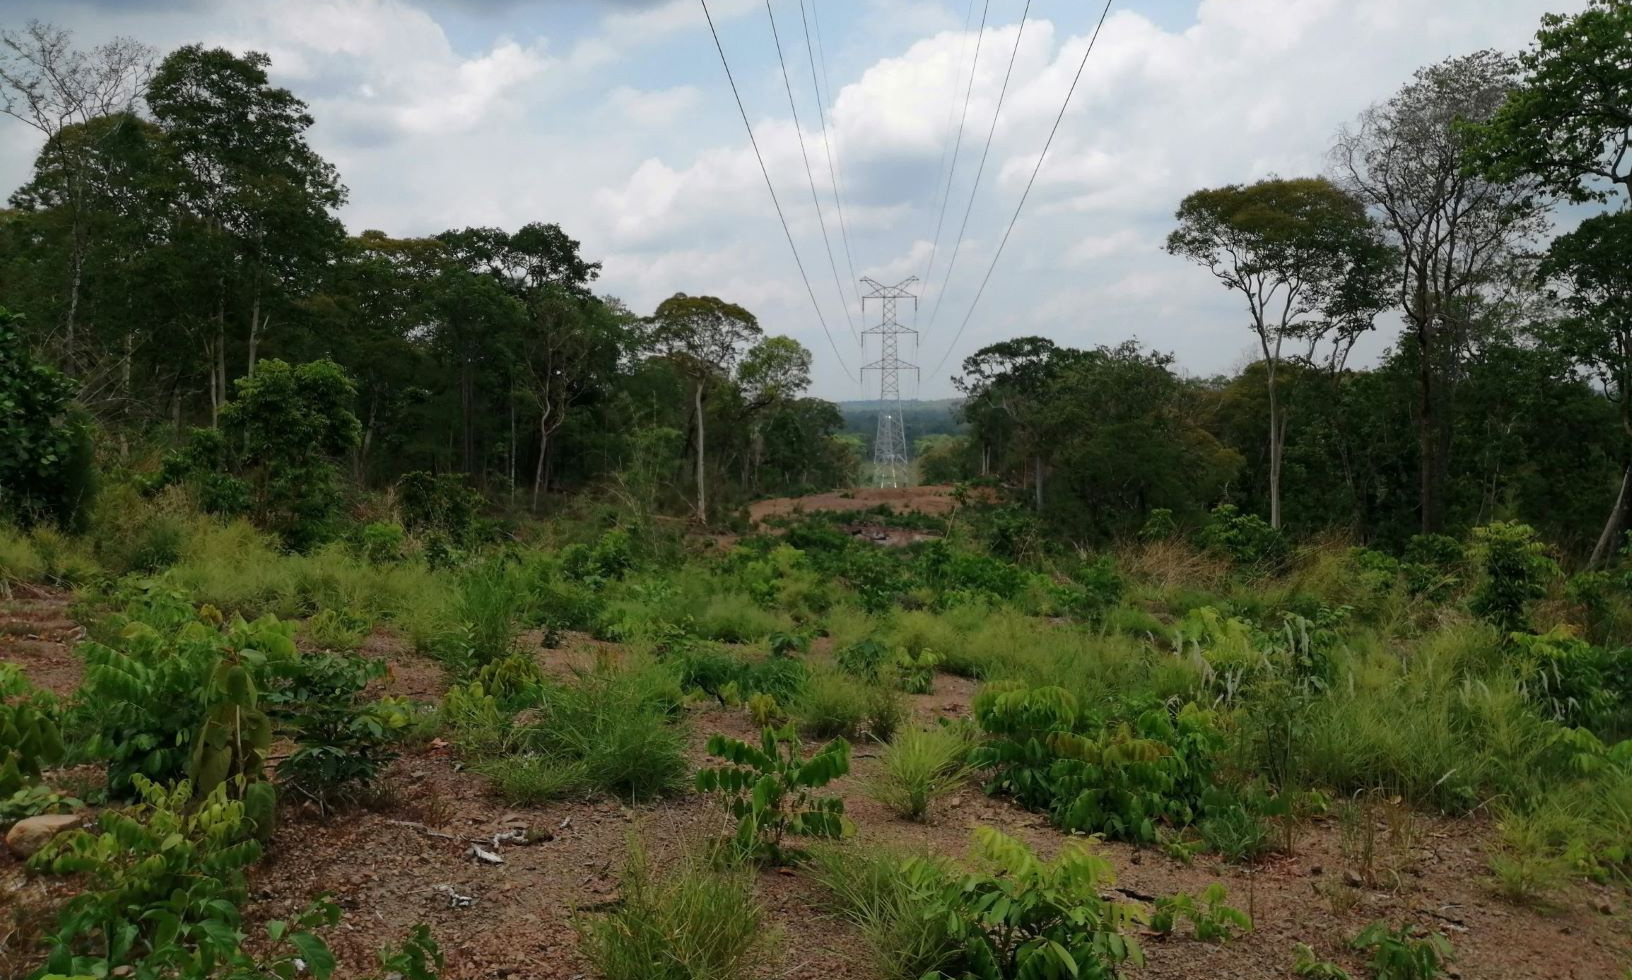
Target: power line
<point>827,145</point>
<point>827,241</point>
<point>772,188</point>
<point>935,243</point>
<point>1027,193</point>
<point>980,171</point>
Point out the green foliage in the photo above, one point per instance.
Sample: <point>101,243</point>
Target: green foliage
<point>1122,779</point>
<point>29,742</point>
<point>916,674</point>
<point>230,749</point>
<point>159,878</point>
<point>1245,539</point>
<point>1397,954</point>
<point>919,767</point>
<point>832,705</point>
<point>1160,525</point>
<point>486,612</point>
<point>381,542</point>
<point>688,923</point>
<point>45,446</point>
<point>140,701</point>
<point>864,658</point>
<point>768,789</point>
<point>1206,912</point>
<point>286,426</point>
<point>1018,917</point>
<point>1309,964</point>
<point>1516,570</point>
<point>32,801</point>
<point>342,741</point>
<point>437,503</point>
<point>882,896</point>
<point>335,631</point>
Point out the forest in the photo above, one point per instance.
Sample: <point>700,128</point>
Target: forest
<point>409,607</point>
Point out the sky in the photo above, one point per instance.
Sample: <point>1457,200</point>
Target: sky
<point>615,119</point>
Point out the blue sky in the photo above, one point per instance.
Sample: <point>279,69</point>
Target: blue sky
<point>614,119</point>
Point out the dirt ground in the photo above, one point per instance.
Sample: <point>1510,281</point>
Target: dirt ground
<point>935,500</point>
<point>396,866</point>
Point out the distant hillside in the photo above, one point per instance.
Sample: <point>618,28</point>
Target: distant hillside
<point>922,418</point>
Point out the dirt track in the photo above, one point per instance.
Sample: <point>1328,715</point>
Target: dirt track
<point>927,500</point>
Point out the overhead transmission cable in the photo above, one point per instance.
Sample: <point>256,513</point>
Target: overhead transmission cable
<point>957,243</point>
<point>772,188</point>
<point>827,145</point>
<point>957,145</point>
<point>1027,193</point>
<point>810,175</point>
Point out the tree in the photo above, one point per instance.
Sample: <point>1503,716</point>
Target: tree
<point>773,372</point>
<point>1591,264</point>
<point>1004,384</point>
<point>1568,124</point>
<point>285,429</point>
<point>263,200</point>
<point>1568,127</point>
<point>570,343</point>
<point>45,460</point>
<point>49,85</point>
<point>703,336</point>
<point>1310,263</point>
<point>1455,232</point>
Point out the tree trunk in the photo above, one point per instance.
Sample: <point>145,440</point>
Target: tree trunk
<point>702,491</point>
<point>1612,527</point>
<point>218,380</point>
<point>254,329</point>
<point>73,296</point>
<point>1037,469</point>
<point>543,452</point>
<point>1277,441</point>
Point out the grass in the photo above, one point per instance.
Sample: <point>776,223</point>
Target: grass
<point>688,922</point>
<point>832,705</point>
<point>616,727</point>
<point>529,780</point>
<point>920,767</point>
<point>867,887</point>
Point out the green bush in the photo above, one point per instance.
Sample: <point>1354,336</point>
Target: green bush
<point>45,445</point>
<point>615,726</point>
<point>874,891</point>
<point>343,741</point>
<point>432,503</point>
<point>768,790</point>
<point>1245,539</point>
<point>690,923</point>
<point>1017,917</point>
<point>29,742</point>
<point>1515,571</point>
<point>832,705</point>
<point>1398,954</point>
<point>1207,914</point>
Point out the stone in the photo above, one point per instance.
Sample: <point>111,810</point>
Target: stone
<point>1352,879</point>
<point>27,837</point>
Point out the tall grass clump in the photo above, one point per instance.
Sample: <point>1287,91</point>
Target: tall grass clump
<point>615,727</point>
<point>688,922</point>
<point>920,767</point>
<point>870,888</point>
<point>19,562</point>
<point>832,705</point>
<point>485,613</point>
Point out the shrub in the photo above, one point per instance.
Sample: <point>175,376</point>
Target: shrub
<point>1019,917</point>
<point>335,631</point>
<point>486,611</point>
<point>1243,538</point>
<point>690,923</point>
<point>1515,571</point>
<point>529,780</point>
<point>916,674</point>
<point>768,790</point>
<point>437,503</point>
<point>342,742</point>
<point>29,742</point>
<point>45,446</point>
<point>617,731</point>
<point>919,767</point>
<point>864,658</point>
<point>1160,525</point>
<point>381,542</point>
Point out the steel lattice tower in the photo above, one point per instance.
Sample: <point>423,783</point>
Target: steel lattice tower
<point>891,465</point>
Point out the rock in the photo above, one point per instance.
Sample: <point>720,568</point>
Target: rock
<point>1604,907</point>
<point>1351,879</point>
<point>26,837</point>
<point>1317,869</point>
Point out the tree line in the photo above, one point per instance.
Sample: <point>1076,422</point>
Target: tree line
<point>1505,393</point>
<point>178,231</point>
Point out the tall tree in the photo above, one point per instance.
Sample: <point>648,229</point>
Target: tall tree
<point>48,84</point>
<point>773,372</point>
<point>704,337</point>
<point>1455,232</point>
<point>1004,384</point>
<point>1309,261</point>
<point>1568,126</point>
<point>263,199</point>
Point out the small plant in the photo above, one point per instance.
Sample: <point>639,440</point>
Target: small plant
<point>529,780</point>
<point>335,632</point>
<point>1206,912</point>
<point>833,705</point>
<point>768,790</point>
<point>29,742</point>
<point>1309,964</point>
<point>1246,539</point>
<point>788,644</point>
<point>916,675</point>
<point>1399,954</point>
<point>763,710</point>
<point>1160,525</point>
<point>864,658</point>
<point>877,891</point>
<point>918,768</point>
<point>691,923</point>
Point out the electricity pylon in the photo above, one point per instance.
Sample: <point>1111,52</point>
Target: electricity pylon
<point>891,466</point>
